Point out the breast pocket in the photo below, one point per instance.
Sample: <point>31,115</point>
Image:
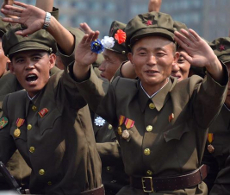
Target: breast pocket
<point>176,132</point>
<point>51,120</point>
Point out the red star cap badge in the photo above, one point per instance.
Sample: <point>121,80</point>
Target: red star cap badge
<point>149,22</point>
<point>221,48</point>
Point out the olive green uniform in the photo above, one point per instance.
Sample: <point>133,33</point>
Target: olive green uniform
<point>59,146</point>
<point>221,136</point>
<point>159,145</point>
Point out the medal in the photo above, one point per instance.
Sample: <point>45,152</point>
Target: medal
<point>19,123</point>
<point>126,135</point>
<point>210,147</point>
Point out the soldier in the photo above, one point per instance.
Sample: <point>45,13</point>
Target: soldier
<point>115,53</point>
<point>161,124</point>
<point>218,146</point>
<point>9,83</point>
<point>48,122</point>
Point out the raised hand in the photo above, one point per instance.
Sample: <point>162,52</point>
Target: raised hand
<point>154,5</point>
<point>199,53</point>
<point>28,15</point>
<point>85,28</point>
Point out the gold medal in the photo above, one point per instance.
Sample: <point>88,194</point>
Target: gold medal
<point>17,132</point>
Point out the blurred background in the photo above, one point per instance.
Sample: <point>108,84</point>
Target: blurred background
<point>210,18</point>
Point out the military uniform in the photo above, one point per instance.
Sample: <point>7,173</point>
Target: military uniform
<point>52,131</point>
<point>162,138</point>
<point>217,149</point>
<point>113,175</point>
<point>9,83</point>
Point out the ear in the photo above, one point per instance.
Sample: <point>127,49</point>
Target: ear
<point>176,57</point>
<point>52,60</point>
<point>130,57</point>
<point>11,67</point>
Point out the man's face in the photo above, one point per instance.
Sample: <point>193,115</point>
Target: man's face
<point>227,101</point>
<point>110,64</point>
<point>152,58</point>
<point>32,69</point>
<point>180,69</point>
<point>3,60</point>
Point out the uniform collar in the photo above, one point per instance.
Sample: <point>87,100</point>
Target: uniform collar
<point>159,99</point>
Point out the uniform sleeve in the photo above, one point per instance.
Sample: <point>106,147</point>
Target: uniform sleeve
<point>209,100</point>
<point>100,95</point>
<point>7,146</point>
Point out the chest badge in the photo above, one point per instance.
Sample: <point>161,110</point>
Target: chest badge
<point>43,112</point>
<point>3,122</point>
<point>210,139</point>
<point>171,117</point>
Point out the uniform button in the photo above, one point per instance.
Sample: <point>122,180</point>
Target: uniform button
<point>32,149</point>
<point>151,106</point>
<point>49,183</point>
<point>149,128</point>
<point>29,127</point>
<point>149,172</point>
<point>108,168</point>
<point>110,126</point>
<point>41,172</point>
<point>34,108</point>
<point>147,151</point>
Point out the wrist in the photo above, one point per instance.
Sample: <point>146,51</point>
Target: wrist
<point>47,20</point>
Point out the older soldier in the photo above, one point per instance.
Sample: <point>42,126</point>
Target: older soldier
<point>161,124</point>
<point>48,122</point>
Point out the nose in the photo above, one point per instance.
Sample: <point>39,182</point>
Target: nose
<point>29,65</point>
<point>152,60</point>
<point>102,66</point>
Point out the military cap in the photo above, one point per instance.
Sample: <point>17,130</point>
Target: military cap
<point>40,40</point>
<point>117,32</point>
<point>179,25</point>
<point>151,23</point>
<point>221,48</point>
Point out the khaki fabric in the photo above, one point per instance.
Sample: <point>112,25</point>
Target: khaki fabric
<point>174,146</point>
<point>64,159</point>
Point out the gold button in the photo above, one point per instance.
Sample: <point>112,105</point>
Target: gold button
<point>32,149</point>
<point>151,106</point>
<point>17,132</point>
<point>147,151</point>
<point>49,183</point>
<point>149,172</point>
<point>149,128</point>
<point>108,168</point>
<point>110,126</point>
<point>34,108</point>
<point>29,127</point>
<point>41,172</point>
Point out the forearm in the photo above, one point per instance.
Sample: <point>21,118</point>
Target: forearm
<point>58,32</point>
<point>46,5</point>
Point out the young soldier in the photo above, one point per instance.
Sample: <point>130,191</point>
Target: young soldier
<point>48,122</point>
<point>161,125</point>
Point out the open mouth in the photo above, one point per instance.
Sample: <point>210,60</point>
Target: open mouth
<point>31,78</point>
